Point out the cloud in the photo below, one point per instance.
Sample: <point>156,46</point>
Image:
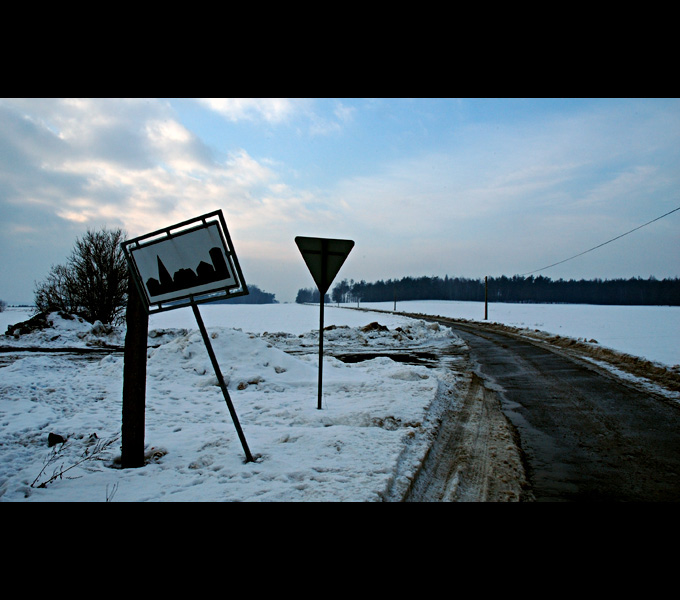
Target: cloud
<point>515,197</point>
<point>315,117</point>
<point>272,110</point>
<point>130,162</point>
<point>69,164</point>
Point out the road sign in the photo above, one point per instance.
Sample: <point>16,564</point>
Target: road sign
<point>187,263</point>
<point>323,257</point>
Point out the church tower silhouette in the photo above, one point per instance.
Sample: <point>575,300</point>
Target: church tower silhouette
<point>163,275</point>
<point>219,263</point>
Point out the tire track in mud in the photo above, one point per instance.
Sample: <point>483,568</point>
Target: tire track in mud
<point>475,456</point>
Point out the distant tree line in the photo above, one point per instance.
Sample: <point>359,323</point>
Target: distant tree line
<point>634,291</point>
<point>255,296</point>
<point>310,295</point>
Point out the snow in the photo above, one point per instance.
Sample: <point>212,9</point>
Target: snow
<point>365,444</point>
<point>650,332</point>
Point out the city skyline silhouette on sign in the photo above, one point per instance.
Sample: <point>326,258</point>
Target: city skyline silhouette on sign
<point>193,265</point>
<point>186,278</point>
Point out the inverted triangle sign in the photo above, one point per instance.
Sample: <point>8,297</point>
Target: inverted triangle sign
<point>323,257</point>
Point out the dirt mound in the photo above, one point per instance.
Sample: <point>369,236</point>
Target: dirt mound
<point>375,326</point>
<point>35,323</point>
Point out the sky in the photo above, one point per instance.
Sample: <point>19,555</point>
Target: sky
<point>424,186</point>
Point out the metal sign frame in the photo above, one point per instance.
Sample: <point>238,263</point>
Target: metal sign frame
<point>229,286</point>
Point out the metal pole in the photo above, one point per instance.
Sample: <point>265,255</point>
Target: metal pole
<point>322,293</point>
<point>220,379</point>
<point>320,350</point>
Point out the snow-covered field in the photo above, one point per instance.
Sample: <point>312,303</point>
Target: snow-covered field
<point>364,445</point>
<point>651,332</point>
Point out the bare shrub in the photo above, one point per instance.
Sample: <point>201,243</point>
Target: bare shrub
<point>94,281</point>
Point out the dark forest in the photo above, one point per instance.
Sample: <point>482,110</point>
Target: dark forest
<point>255,296</point>
<point>543,290</point>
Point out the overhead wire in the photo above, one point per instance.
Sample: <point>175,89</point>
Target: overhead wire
<point>603,244</point>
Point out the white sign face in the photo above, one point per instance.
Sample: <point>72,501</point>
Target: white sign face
<point>188,264</point>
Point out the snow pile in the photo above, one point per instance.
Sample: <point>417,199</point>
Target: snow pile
<point>365,444</point>
<point>57,330</point>
<point>372,337</point>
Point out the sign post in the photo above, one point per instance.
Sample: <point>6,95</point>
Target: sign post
<point>204,268</point>
<point>323,257</point>
<point>223,386</point>
<point>134,381</point>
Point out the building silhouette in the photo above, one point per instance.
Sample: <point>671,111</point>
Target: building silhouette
<point>188,278</point>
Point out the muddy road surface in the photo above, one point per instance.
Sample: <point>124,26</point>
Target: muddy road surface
<point>584,435</point>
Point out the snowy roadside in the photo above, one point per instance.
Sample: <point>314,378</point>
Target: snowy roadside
<point>377,422</point>
<point>640,341</point>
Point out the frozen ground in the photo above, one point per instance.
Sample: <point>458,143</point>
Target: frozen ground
<point>376,424</point>
<point>363,445</point>
<point>651,332</point>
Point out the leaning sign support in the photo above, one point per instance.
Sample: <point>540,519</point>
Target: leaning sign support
<point>183,265</point>
<point>323,257</point>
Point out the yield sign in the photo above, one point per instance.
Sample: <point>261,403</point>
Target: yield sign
<point>324,257</point>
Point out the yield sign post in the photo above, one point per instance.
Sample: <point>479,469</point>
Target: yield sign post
<point>323,257</point>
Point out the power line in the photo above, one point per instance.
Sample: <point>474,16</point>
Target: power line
<point>603,244</point>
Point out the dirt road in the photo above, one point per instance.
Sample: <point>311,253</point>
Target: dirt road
<point>538,423</point>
